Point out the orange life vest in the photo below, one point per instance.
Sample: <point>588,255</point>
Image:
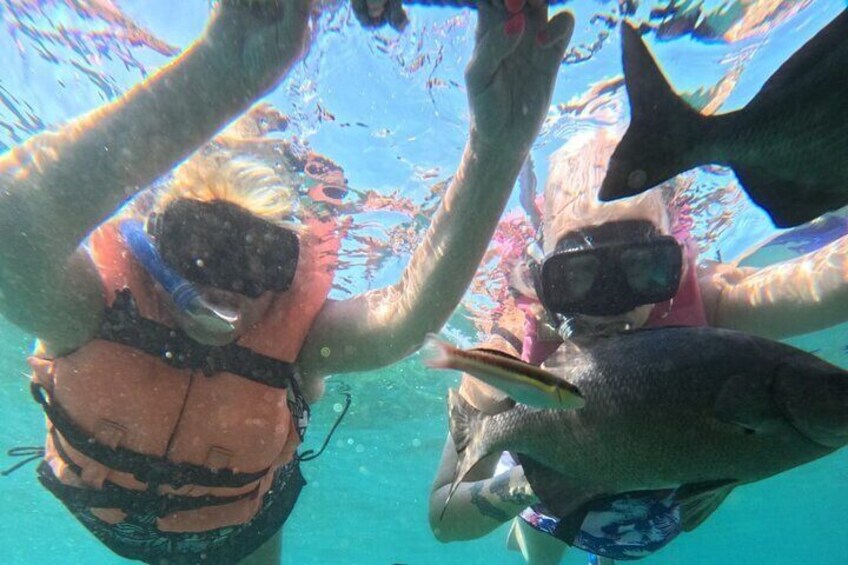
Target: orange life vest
<point>201,443</point>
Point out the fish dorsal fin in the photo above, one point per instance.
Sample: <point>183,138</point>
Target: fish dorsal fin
<point>465,429</point>
<point>699,500</point>
<point>808,56</point>
<point>461,420</point>
<point>497,352</point>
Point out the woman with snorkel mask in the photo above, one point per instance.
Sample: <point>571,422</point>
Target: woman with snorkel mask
<point>607,268</point>
<point>179,350</point>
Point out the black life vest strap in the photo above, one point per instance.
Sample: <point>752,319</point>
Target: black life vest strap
<point>131,501</point>
<point>123,324</point>
<point>145,468</point>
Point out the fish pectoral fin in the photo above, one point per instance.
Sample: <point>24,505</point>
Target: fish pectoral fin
<point>554,490</point>
<point>699,500</point>
<point>569,525</point>
<point>462,417</point>
<point>788,203</point>
<point>745,403</point>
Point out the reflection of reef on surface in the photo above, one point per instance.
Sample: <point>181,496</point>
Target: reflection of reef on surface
<point>73,35</point>
<point>730,22</point>
<point>383,226</point>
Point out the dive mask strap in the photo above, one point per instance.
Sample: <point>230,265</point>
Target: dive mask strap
<point>182,292</point>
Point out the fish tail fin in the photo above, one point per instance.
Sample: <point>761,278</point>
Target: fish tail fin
<point>436,353</point>
<point>663,127</point>
<point>465,425</point>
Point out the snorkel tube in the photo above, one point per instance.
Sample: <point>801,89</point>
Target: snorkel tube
<point>182,292</point>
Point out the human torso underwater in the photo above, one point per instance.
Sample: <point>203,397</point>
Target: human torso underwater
<point>628,525</point>
<point>144,423</point>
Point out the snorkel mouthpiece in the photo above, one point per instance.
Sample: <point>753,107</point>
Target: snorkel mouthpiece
<point>183,293</point>
<point>571,328</point>
<point>212,318</point>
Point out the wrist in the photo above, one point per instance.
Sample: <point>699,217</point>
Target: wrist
<point>499,150</point>
<point>257,42</point>
<point>490,162</point>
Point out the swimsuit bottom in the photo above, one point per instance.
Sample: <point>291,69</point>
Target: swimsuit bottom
<point>622,527</point>
<point>138,538</point>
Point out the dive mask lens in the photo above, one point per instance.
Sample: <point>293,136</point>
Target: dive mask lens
<point>221,245</point>
<point>652,269</point>
<point>611,269</point>
<point>568,278</point>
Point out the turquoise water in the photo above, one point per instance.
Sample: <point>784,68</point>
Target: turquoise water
<point>367,496</point>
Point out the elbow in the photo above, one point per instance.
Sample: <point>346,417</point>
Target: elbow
<point>395,343</point>
<point>441,528</point>
<point>445,528</point>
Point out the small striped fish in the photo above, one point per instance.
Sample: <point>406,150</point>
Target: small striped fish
<point>523,382</point>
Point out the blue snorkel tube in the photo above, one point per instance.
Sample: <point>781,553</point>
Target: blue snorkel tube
<point>182,292</point>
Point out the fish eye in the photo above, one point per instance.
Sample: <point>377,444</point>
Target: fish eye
<point>637,179</point>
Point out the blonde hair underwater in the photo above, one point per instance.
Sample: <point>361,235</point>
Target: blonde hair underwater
<point>246,183</point>
<point>571,193</point>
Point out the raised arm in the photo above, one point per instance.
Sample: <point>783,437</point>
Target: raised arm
<point>510,80</point>
<point>790,298</point>
<point>57,187</point>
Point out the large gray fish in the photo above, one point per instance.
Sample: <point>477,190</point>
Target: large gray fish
<point>698,409</point>
<point>787,146</point>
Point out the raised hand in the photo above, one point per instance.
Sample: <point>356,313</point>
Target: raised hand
<point>375,13</point>
<point>511,74</point>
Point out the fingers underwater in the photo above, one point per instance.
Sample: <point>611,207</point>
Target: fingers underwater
<point>495,44</point>
<point>553,39</point>
<point>559,29</point>
<point>514,6</point>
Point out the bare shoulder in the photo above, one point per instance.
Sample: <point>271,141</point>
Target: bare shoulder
<point>63,314</point>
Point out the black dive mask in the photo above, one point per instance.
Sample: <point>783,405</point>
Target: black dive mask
<point>222,245</point>
<point>610,269</point>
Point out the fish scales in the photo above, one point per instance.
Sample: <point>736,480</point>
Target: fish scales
<point>650,415</point>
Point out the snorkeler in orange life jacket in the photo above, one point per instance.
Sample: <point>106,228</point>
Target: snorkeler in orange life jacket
<point>142,458</point>
<point>177,353</point>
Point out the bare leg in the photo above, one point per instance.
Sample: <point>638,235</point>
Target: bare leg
<point>269,553</point>
<point>538,548</point>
